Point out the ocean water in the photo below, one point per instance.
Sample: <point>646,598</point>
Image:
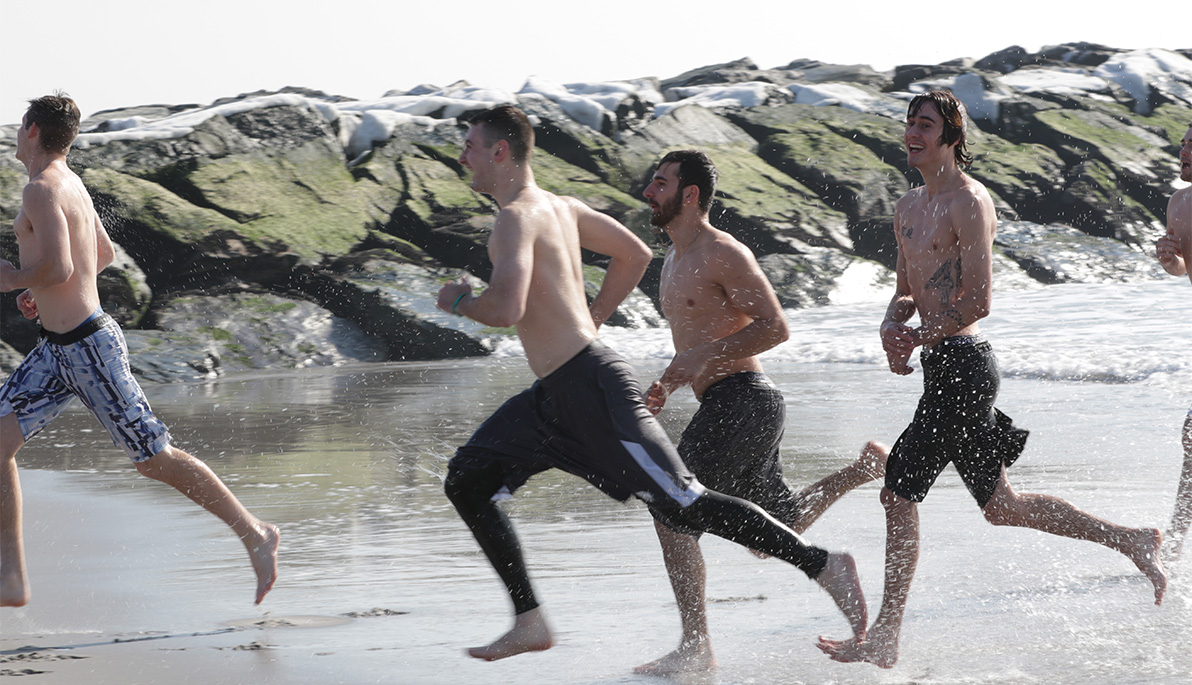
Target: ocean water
<point>349,461</point>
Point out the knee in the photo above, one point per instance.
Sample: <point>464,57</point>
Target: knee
<point>1001,511</point>
<point>893,503</point>
<point>157,466</point>
<point>468,489</point>
<point>11,438</point>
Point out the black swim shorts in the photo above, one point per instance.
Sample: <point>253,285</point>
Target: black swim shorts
<point>586,418</point>
<point>956,422</point>
<point>732,444</point>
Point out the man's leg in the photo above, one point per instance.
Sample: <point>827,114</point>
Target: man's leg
<point>14,584</point>
<point>471,491</point>
<point>880,645</point>
<point>196,480</point>
<point>747,524</point>
<point>1181,518</point>
<point>688,577</point>
<point>815,499</point>
<point>1059,517</point>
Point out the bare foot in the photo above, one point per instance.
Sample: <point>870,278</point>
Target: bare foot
<point>872,461</point>
<point>263,553</point>
<point>691,657</point>
<point>14,590</point>
<point>839,579</point>
<point>1145,555</point>
<point>530,633</point>
<point>882,653</point>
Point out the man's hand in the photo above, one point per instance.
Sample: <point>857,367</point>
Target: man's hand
<point>27,304</point>
<point>683,370</point>
<point>656,397</point>
<point>450,293</point>
<point>898,341</point>
<point>7,270</point>
<point>1167,249</point>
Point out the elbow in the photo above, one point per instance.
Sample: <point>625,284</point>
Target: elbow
<point>58,275</point>
<point>782,331</point>
<point>506,317</point>
<point>640,258</point>
<point>980,310</point>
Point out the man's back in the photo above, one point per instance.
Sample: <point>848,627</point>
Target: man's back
<point>556,323</point>
<point>58,225</point>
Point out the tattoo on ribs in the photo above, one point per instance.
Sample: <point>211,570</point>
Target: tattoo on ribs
<point>955,316</point>
<point>908,231</point>
<point>946,280</point>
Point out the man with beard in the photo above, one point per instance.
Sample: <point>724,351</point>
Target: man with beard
<point>1173,250</point>
<point>585,413</point>
<point>723,313</point>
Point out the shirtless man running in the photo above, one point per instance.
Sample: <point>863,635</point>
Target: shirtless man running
<point>62,247</point>
<point>1173,250</point>
<point>585,413</point>
<point>723,313</point>
<point>945,231</point>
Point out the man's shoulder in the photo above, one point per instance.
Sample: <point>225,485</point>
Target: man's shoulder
<point>911,196</point>
<point>724,251</point>
<point>1182,196</point>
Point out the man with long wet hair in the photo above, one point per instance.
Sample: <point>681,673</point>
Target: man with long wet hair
<point>944,230</point>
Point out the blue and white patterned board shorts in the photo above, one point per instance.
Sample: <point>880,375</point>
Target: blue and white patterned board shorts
<point>94,369</point>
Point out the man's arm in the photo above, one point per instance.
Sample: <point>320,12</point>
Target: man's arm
<point>53,264</point>
<point>1173,248</point>
<point>975,222</point>
<point>629,257</point>
<point>105,254</point>
<point>503,302</point>
<point>897,337</point>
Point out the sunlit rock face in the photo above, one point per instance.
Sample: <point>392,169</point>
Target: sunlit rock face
<point>298,228</point>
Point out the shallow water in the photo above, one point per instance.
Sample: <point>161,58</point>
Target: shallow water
<point>348,462</point>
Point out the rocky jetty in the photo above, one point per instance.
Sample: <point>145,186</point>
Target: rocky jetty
<point>290,229</point>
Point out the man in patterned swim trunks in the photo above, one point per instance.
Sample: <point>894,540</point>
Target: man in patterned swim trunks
<point>723,313</point>
<point>944,230</point>
<point>1173,250</point>
<point>63,246</point>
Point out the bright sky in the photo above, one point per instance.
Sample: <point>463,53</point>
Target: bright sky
<point>118,53</point>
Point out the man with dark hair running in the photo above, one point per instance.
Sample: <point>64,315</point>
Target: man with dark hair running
<point>62,247</point>
<point>944,230</point>
<point>585,414</point>
<point>723,313</point>
<point>1173,251</point>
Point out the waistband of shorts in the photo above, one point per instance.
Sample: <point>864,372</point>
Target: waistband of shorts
<point>593,348</point>
<point>958,341</point>
<point>731,381</point>
<point>88,327</point>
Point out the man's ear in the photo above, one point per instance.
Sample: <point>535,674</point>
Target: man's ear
<point>500,150</point>
<point>691,195</point>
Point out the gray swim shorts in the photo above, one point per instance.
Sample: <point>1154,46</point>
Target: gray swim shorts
<point>94,369</point>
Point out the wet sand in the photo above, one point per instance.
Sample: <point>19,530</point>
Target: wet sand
<point>381,583</point>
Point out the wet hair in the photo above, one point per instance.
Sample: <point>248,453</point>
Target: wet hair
<point>952,112</point>
<point>508,123</point>
<point>695,169</point>
<point>57,118</point>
